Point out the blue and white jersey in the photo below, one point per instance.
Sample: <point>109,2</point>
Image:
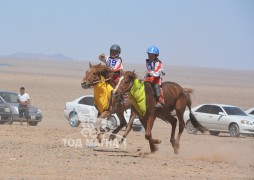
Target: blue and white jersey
<point>114,63</point>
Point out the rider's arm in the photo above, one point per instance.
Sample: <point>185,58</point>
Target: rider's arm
<point>157,70</point>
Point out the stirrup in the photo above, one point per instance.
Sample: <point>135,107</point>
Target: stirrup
<point>158,105</point>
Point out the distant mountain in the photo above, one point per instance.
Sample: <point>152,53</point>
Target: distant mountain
<point>38,56</point>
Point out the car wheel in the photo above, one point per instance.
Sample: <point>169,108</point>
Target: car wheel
<point>2,122</point>
<point>74,119</point>
<point>111,122</point>
<point>190,128</point>
<point>10,120</point>
<point>234,130</point>
<point>214,133</point>
<point>33,123</point>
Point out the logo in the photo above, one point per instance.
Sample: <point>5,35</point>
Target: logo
<point>90,136</point>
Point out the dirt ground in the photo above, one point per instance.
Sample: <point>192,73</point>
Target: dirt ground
<point>54,150</point>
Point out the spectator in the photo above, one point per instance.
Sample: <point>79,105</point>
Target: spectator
<point>23,100</point>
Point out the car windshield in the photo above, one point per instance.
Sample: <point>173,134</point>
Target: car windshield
<point>234,111</point>
<point>9,97</point>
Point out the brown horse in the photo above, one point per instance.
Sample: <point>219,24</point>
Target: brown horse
<point>92,77</point>
<point>176,98</point>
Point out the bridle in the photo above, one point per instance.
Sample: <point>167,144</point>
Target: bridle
<point>125,90</point>
<point>94,81</point>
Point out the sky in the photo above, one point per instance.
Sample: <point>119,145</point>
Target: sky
<point>202,33</point>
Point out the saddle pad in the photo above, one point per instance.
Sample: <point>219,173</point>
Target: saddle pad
<point>138,97</point>
<point>102,93</point>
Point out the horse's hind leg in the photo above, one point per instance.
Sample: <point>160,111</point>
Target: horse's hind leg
<point>173,121</point>
<point>167,116</point>
<point>179,112</point>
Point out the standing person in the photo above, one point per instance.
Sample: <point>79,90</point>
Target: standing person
<point>23,100</point>
<point>114,61</point>
<point>154,73</point>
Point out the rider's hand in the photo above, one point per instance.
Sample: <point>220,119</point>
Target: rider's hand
<point>101,56</point>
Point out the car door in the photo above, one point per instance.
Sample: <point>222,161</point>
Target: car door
<point>216,119</point>
<point>204,116</point>
<point>86,110</point>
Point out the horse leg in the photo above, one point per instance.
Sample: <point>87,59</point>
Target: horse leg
<point>98,122</point>
<point>179,113</point>
<point>167,116</point>
<point>148,134</point>
<point>122,124</point>
<point>100,117</point>
<point>128,129</point>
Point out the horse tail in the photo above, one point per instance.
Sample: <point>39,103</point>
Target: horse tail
<point>193,119</point>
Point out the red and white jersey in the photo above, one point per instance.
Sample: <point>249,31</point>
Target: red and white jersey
<point>114,63</point>
<point>154,67</point>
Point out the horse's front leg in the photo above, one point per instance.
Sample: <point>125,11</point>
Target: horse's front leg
<point>103,115</point>
<point>148,134</point>
<point>120,115</point>
<point>128,129</point>
<point>97,124</point>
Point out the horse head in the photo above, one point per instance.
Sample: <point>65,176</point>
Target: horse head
<point>125,83</point>
<point>94,74</point>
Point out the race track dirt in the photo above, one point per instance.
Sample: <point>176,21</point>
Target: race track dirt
<point>46,151</point>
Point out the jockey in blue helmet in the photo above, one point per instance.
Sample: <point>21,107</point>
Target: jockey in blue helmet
<point>154,73</point>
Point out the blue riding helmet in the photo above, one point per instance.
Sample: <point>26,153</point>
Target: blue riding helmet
<point>153,50</point>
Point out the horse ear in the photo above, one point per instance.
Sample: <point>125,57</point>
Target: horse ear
<point>90,65</point>
<point>133,72</point>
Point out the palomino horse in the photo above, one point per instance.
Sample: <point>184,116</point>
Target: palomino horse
<point>92,77</point>
<point>176,98</point>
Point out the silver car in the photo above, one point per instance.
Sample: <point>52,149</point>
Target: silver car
<point>221,118</point>
<point>250,112</point>
<point>9,110</point>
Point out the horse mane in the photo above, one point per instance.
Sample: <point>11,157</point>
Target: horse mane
<point>100,68</point>
<point>103,70</point>
<point>132,75</point>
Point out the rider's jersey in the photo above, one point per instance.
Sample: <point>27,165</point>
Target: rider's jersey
<point>154,67</point>
<point>114,63</point>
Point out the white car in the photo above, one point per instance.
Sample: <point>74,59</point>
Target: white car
<point>219,118</point>
<point>82,110</point>
<point>250,112</point>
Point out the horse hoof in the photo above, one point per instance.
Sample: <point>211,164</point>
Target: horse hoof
<point>176,150</point>
<point>154,149</point>
<point>157,141</point>
<point>112,137</point>
<point>121,141</point>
